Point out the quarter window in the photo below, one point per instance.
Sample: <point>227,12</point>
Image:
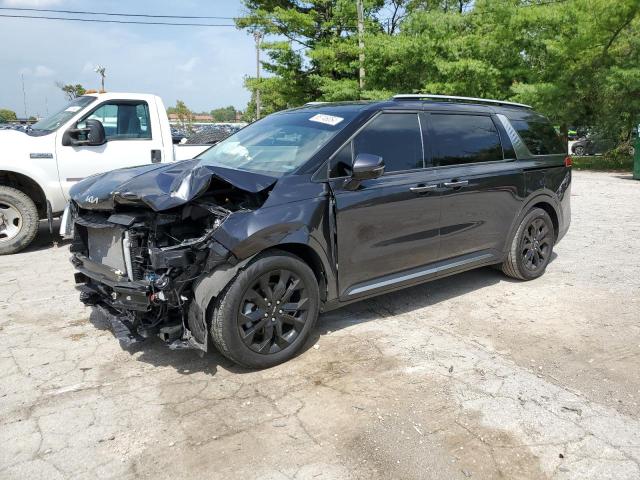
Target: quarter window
<point>461,139</point>
<point>124,121</point>
<point>539,137</point>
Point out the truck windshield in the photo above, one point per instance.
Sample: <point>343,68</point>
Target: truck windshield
<point>59,118</point>
<point>277,144</point>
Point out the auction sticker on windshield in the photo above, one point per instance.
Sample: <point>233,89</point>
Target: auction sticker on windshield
<point>326,119</point>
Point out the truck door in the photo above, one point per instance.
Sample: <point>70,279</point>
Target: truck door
<point>132,138</point>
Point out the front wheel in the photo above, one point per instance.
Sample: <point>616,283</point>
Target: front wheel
<point>18,220</point>
<point>531,247</point>
<point>265,315</point>
<point>579,151</point>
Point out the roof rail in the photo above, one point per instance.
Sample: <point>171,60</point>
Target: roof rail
<point>419,96</point>
<point>308,104</point>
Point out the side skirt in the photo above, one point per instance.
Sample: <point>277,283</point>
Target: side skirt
<point>415,276</point>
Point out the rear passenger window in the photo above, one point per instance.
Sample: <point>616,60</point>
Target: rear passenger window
<point>396,138</point>
<point>460,139</point>
<point>539,137</point>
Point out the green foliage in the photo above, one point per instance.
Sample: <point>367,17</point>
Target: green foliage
<point>7,115</point>
<point>574,60</point>
<point>604,162</point>
<point>71,91</point>
<point>224,114</point>
<point>184,114</point>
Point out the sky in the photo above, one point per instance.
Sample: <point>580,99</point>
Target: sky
<point>204,67</point>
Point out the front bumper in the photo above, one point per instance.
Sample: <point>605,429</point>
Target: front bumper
<point>107,286</point>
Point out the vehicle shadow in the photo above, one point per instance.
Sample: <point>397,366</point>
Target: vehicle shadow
<point>187,362</point>
<point>45,239</point>
<point>156,352</point>
<point>407,300</point>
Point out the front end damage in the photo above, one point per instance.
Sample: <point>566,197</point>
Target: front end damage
<point>138,266</point>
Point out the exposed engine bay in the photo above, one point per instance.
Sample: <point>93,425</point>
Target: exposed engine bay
<point>139,266</point>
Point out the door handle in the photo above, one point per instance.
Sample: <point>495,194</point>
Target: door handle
<point>454,184</point>
<point>423,188</point>
<point>156,156</point>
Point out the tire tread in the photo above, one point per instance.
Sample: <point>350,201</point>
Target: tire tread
<point>217,327</point>
<point>510,265</point>
<point>30,220</point>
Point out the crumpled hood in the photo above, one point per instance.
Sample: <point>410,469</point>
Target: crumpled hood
<point>160,186</point>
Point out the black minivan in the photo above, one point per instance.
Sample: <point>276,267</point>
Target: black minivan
<point>312,208</point>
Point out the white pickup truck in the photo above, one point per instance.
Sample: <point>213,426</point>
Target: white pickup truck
<point>94,133</point>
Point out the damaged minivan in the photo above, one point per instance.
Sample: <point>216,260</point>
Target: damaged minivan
<point>313,208</point>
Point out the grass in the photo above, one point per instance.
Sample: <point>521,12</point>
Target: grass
<point>602,162</point>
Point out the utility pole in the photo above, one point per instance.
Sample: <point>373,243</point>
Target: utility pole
<point>24,95</point>
<point>360,9</point>
<point>100,70</point>
<point>258,38</point>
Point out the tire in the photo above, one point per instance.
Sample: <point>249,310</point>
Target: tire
<point>531,247</point>
<point>18,220</point>
<point>579,151</point>
<point>264,335</point>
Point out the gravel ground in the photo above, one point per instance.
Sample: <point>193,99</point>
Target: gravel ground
<point>474,376</point>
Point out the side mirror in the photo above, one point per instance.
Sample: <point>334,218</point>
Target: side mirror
<point>367,166</point>
<point>92,134</point>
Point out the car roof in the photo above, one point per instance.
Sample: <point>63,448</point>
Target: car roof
<point>512,111</point>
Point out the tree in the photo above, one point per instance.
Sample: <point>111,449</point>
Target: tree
<point>184,116</point>
<point>574,60</point>
<point>7,115</point>
<point>224,114</point>
<point>588,72</point>
<point>71,91</point>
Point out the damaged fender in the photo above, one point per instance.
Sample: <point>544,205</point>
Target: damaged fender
<point>204,290</point>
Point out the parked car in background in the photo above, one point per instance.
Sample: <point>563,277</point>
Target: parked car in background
<point>590,143</point>
<point>94,133</point>
<point>313,208</point>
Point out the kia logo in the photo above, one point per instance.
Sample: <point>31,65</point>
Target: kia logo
<point>91,199</point>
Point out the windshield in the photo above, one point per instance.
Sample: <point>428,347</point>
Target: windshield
<point>61,117</point>
<point>278,144</point>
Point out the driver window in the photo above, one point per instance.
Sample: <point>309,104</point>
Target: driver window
<point>393,136</point>
<point>123,121</point>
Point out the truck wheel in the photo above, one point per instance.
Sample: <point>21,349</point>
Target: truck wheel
<point>264,316</point>
<point>531,247</point>
<point>18,220</point>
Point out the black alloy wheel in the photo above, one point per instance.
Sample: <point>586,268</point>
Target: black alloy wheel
<point>536,245</point>
<point>273,312</point>
<point>531,247</point>
<point>266,313</point>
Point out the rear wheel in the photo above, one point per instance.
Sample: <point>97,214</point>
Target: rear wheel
<point>531,247</point>
<point>18,220</point>
<point>579,151</point>
<point>265,315</point>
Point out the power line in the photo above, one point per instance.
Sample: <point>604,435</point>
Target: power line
<point>95,20</point>
<point>181,24</point>
<point>82,12</point>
